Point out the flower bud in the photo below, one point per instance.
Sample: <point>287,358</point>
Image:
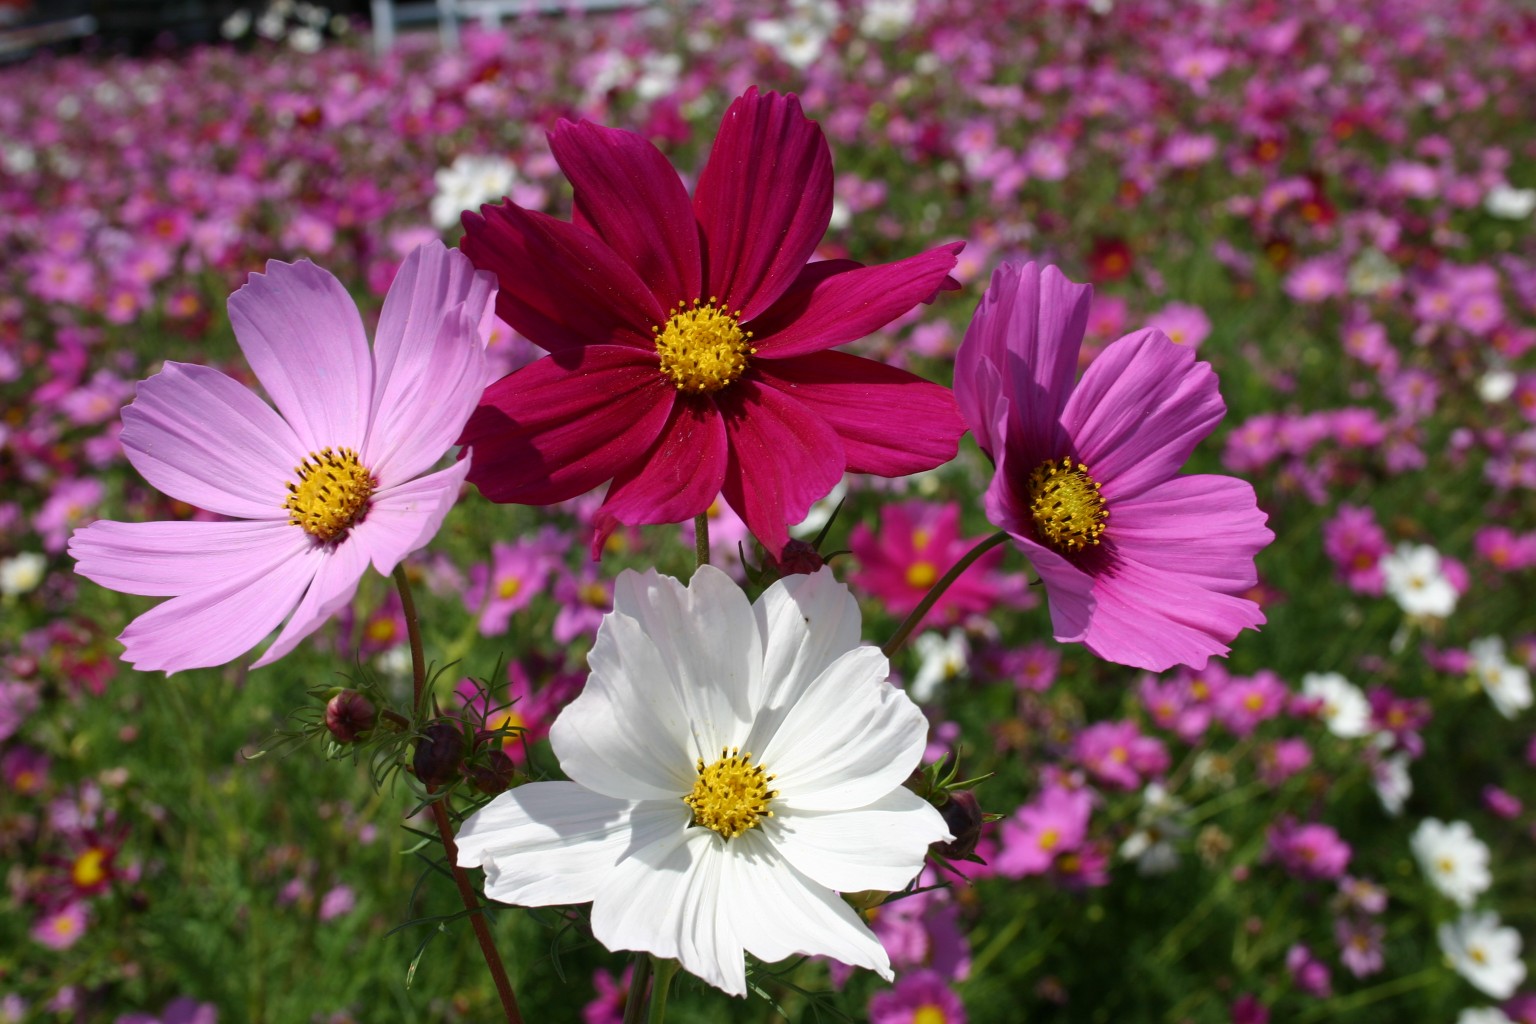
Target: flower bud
<point>349,715</point>
<point>495,774</point>
<point>963,815</point>
<point>799,558</point>
<point>439,752</point>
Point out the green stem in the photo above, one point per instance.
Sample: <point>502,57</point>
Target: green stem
<point>937,591</point>
<point>701,539</point>
<point>444,825</point>
<point>664,970</point>
<point>634,1002</point>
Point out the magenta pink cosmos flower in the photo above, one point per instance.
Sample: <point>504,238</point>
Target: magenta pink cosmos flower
<point>331,481</point>
<point>1142,565</point>
<point>689,340</point>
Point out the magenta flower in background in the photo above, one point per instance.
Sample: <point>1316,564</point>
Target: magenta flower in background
<point>335,479</point>
<point>916,543</point>
<point>1052,825</point>
<point>1117,755</point>
<point>1142,565</point>
<point>1312,851</point>
<point>689,340</point>
<point>922,997</point>
<point>516,573</point>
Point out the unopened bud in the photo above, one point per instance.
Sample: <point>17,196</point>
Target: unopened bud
<point>799,558</point>
<point>349,715</point>
<point>964,817</point>
<point>439,753</point>
<point>495,774</point>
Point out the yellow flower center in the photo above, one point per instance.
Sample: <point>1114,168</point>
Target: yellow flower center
<point>506,725</point>
<point>921,575</point>
<point>929,1014</point>
<point>90,868</point>
<point>508,588</point>
<point>1050,839</point>
<point>1068,510</point>
<point>331,495</point>
<point>702,347</point>
<point>593,595</point>
<point>730,795</point>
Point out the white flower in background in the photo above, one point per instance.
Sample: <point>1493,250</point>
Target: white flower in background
<point>820,512</point>
<point>1508,685</point>
<point>1496,385</point>
<point>305,39</point>
<point>22,573</point>
<point>798,38</point>
<point>734,767</point>
<point>1393,784</point>
<point>1414,577</point>
<point>1372,273</point>
<point>1159,827</point>
<point>1483,1015</point>
<point>469,182</point>
<point>1508,203</point>
<point>1453,859</point>
<point>1484,953</point>
<point>237,24</point>
<point>658,75</point>
<point>1344,708</point>
<point>941,660</point>
<point>887,19</point>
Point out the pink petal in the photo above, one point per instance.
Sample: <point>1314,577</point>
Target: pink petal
<point>1029,326</point>
<point>340,567</point>
<point>823,309</point>
<point>676,480</point>
<point>1139,411</point>
<point>561,426</point>
<point>429,361</point>
<point>892,423</point>
<point>631,197</point>
<point>404,519</point>
<point>217,624</point>
<point>165,559</point>
<point>783,458</point>
<point>562,287</point>
<point>300,331</point>
<point>203,438</point>
<point>763,201</point>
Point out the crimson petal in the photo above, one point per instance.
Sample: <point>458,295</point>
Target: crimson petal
<point>763,201</point>
<point>550,432</point>
<point>783,458</point>
<point>826,308</point>
<point>631,197</point>
<point>561,286</point>
<point>676,480</point>
<point>892,423</point>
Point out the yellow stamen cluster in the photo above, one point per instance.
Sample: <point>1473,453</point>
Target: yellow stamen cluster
<point>730,795</point>
<point>1068,510</point>
<point>702,347</point>
<point>331,494</point>
<point>90,868</point>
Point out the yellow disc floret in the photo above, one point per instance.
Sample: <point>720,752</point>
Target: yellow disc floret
<point>1068,510</point>
<point>702,347</point>
<point>731,794</point>
<point>331,494</point>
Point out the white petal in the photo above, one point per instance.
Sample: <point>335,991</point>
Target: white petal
<point>546,843</point>
<point>708,633</point>
<point>806,622</point>
<point>881,846</point>
<point>790,913</point>
<point>849,740</point>
<point>666,899</point>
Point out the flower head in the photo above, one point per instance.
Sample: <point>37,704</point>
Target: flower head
<point>1144,566</point>
<point>1453,859</point>
<point>335,479</point>
<point>1484,952</point>
<point>688,339</point>
<point>732,765</point>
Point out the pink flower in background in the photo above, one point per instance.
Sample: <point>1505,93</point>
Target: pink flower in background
<point>1144,566</point>
<point>1356,543</point>
<point>330,483</point>
<point>1051,825</point>
<point>1116,754</point>
<point>1312,851</point>
<point>336,902</point>
<point>516,574</point>
<point>922,997</point>
<point>1245,702</point>
<point>61,928</point>
<point>678,377</point>
<point>916,543</point>
<point>1183,323</point>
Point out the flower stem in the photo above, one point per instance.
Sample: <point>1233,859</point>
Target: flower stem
<point>634,1003</point>
<point>701,539</point>
<point>937,591</point>
<point>444,825</point>
<point>663,970</point>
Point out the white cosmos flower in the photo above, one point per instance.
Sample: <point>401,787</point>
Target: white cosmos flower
<point>1508,685</point>
<point>470,181</point>
<point>1414,577</point>
<point>734,766</point>
<point>941,659</point>
<point>1453,859</point>
<point>1344,709</point>
<point>1483,952</point>
<point>1483,1015</point>
<point>1509,203</point>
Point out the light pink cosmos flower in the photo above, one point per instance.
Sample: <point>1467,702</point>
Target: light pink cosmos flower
<point>335,479</point>
<point>1144,566</point>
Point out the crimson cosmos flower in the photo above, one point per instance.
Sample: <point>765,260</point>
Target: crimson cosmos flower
<point>688,340</point>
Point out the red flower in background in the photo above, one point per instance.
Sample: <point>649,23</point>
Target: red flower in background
<point>688,339</point>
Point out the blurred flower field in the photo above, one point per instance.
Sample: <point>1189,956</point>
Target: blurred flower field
<point>1330,204</point>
